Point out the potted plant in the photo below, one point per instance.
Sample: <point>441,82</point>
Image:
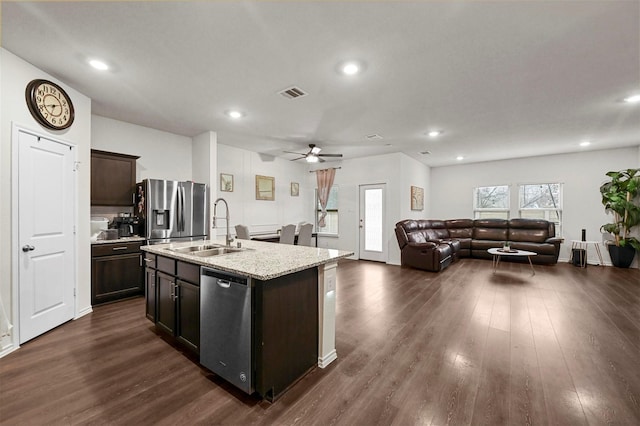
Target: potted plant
<point>620,197</point>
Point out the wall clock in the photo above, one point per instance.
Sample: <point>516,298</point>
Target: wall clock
<point>49,104</point>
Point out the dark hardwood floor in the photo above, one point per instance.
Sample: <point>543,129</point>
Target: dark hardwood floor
<point>464,346</point>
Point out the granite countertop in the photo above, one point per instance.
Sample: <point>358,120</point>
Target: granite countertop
<point>118,240</point>
<point>263,261</point>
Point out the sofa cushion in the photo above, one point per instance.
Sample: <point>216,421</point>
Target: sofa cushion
<point>490,234</point>
<point>460,228</point>
<point>533,230</point>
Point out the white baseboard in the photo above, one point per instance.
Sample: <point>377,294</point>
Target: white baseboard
<point>327,359</point>
<point>8,349</point>
<point>84,312</point>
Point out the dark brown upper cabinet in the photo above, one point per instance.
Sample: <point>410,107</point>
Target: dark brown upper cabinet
<point>113,178</point>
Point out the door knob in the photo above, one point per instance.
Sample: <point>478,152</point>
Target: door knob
<point>28,248</point>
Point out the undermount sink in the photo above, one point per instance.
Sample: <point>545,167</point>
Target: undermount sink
<point>207,250</point>
<point>192,249</point>
<point>217,251</point>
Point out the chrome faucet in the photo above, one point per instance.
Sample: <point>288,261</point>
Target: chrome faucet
<point>228,238</point>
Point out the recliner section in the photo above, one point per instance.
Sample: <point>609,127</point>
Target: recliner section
<point>433,245</point>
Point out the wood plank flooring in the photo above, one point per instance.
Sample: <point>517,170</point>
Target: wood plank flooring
<point>464,346</point>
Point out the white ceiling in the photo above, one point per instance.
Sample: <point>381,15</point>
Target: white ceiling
<point>502,79</point>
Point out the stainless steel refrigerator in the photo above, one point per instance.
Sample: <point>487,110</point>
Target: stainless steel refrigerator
<point>173,211</point>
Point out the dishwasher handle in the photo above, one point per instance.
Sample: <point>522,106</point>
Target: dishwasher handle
<point>224,283</point>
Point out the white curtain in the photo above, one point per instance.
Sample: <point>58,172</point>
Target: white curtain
<point>325,182</point>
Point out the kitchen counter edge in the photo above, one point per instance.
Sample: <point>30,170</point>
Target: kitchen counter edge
<point>263,261</point>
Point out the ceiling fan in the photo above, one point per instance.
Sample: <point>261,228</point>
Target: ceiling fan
<point>313,156</point>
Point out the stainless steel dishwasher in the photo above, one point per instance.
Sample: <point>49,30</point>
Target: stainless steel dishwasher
<point>226,326</point>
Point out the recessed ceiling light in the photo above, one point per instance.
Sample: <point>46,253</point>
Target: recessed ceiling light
<point>435,133</point>
<point>350,68</point>
<point>633,99</point>
<point>99,65</point>
<point>585,143</point>
<point>459,158</point>
<point>235,114</point>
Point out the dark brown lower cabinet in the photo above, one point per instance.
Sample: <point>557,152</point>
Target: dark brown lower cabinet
<point>176,299</point>
<point>116,271</point>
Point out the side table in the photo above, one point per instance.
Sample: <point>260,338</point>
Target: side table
<point>582,245</point>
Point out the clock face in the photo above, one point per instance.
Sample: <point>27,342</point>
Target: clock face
<point>49,104</point>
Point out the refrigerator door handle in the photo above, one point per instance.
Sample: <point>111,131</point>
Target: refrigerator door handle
<point>179,209</point>
<point>182,195</point>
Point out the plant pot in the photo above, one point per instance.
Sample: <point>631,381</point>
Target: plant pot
<point>621,257</point>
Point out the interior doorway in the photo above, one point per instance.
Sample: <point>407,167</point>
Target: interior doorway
<point>45,240</point>
<point>373,239</point>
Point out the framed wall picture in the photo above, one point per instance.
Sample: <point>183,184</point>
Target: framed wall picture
<point>226,182</point>
<point>295,189</point>
<point>265,188</point>
<point>417,198</point>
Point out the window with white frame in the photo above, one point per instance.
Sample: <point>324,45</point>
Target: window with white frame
<point>331,220</point>
<point>491,202</point>
<point>542,201</point>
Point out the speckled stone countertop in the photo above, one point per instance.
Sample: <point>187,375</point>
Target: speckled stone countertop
<point>263,261</point>
<point>118,240</point>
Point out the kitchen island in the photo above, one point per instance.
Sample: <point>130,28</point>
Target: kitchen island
<point>292,303</point>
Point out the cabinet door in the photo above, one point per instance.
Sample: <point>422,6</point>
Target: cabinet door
<point>150,293</point>
<point>115,277</point>
<point>165,302</point>
<point>113,177</point>
<point>188,324</point>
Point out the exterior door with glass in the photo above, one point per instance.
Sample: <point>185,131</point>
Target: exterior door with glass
<point>373,239</point>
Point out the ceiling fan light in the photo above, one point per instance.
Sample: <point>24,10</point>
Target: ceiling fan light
<point>315,150</point>
<point>311,158</point>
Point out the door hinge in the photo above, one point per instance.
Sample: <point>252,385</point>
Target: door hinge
<point>74,292</point>
<point>74,230</point>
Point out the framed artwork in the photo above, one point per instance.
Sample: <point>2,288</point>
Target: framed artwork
<point>417,198</point>
<point>265,188</point>
<point>295,189</point>
<point>226,182</point>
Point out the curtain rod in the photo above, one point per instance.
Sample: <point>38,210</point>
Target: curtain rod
<point>335,168</point>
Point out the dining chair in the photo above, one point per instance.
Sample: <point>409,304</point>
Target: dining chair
<point>304,235</point>
<point>242,232</point>
<point>288,234</point>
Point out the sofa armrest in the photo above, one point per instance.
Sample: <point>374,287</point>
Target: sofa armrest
<point>554,240</point>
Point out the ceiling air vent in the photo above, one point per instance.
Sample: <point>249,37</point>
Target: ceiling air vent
<point>375,136</point>
<point>293,92</point>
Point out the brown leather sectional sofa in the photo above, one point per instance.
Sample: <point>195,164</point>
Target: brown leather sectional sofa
<point>433,244</point>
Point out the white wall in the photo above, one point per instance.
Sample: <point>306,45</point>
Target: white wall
<point>263,215</point>
<point>204,165</point>
<point>581,173</point>
<point>162,155</point>
<point>15,74</point>
<point>399,172</point>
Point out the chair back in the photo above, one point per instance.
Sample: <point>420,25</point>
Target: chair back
<point>242,232</point>
<point>288,234</point>
<point>304,236</point>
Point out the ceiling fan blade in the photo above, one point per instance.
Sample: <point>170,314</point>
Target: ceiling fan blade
<point>291,152</point>
<point>321,160</point>
<point>329,155</point>
<point>299,158</point>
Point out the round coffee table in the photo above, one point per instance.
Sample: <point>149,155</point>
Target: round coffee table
<point>497,253</point>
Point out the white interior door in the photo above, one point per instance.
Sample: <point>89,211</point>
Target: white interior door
<point>373,240</point>
<point>46,243</point>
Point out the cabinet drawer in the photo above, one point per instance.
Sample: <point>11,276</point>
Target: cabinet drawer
<point>115,248</point>
<point>150,260</point>
<point>189,272</point>
<point>165,264</point>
